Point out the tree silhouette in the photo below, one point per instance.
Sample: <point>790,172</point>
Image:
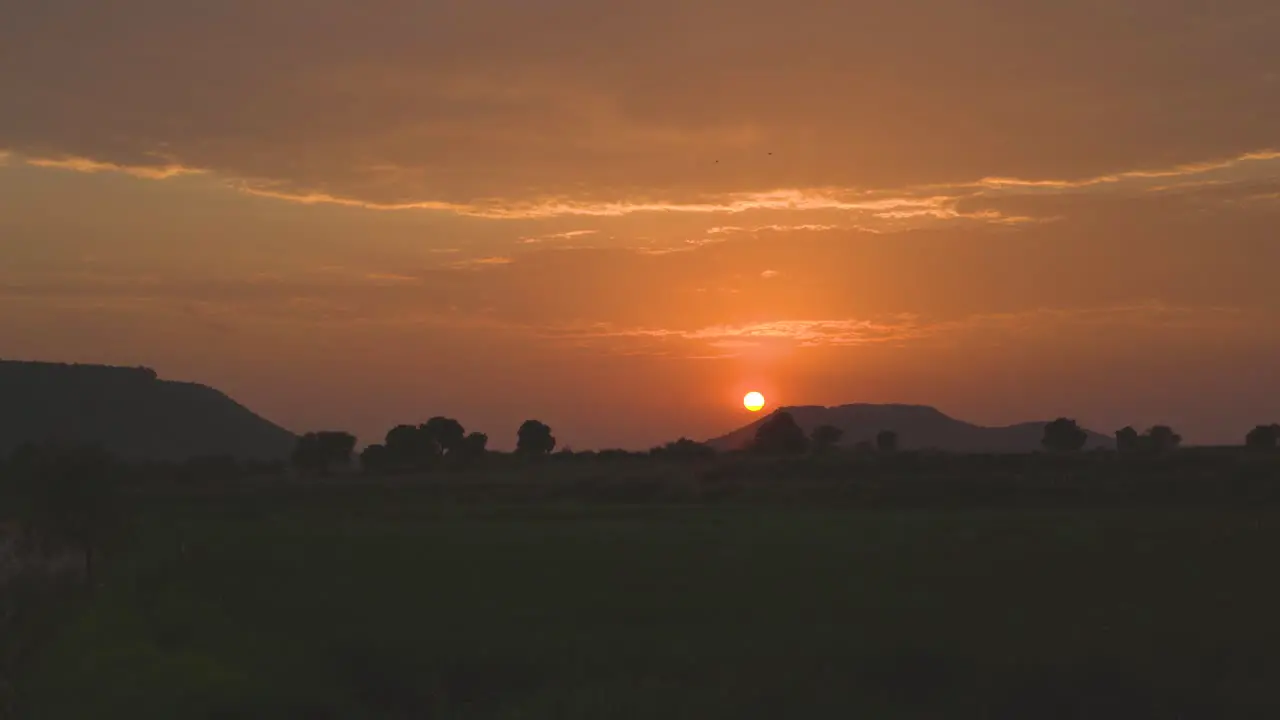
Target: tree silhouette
<point>408,447</point>
<point>71,497</point>
<point>375,458</point>
<point>887,441</point>
<point>780,435</point>
<point>321,451</point>
<point>683,450</point>
<point>1128,441</point>
<point>534,439</point>
<point>825,437</point>
<point>1162,439</point>
<point>472,447</point>
<point>306,452</point>
<point>336,448</point>
<point>1063,435</point>
<point>444,434</point>
<point>1263,437</point>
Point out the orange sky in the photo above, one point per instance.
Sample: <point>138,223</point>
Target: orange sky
<point>619,217</point>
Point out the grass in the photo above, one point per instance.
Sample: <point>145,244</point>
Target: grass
<point>392,605</point>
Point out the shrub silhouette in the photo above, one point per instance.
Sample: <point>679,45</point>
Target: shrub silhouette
<point>419,447</point>
<point>321,451</point>
<point>683,449</point>
<point>780,435</point>
<point>473,447</point>
<point>375,458</point>
<point>887,441</point>
<point>408,447</point>
<point>825,437</point>
<point>442,435</point>
<point>1158,440</point>
<point>1263,437</point>
<point>475,442</point>
<point>1063,435</point>
<point>1162,439</point>
<point>534,439</point>
<point>1128,441</point>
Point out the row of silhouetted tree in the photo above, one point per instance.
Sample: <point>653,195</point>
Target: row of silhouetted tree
<point>440,441</point>
<point>443,441</point>
<point>780,434</point>
<point>1065,435</point>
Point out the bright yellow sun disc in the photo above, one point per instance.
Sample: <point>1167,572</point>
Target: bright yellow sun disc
<point>753,401</point>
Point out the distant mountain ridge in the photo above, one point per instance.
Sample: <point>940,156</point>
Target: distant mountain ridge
<point>918,427</point>
<point>130,412</point>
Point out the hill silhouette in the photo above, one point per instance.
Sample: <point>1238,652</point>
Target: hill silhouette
<point>131,413</point>
<point>918,427</point>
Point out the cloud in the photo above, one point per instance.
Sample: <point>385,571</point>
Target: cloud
<point>1242,168</point>
<point>516,110</point>
<point>806,333</point>
<point>567,235</point>
<point>1196,247</point>
<point>391,277</point>
<point>484,262</point>
<point>1234,202</point>
<point>85,165</point>
<point>319,198</point>
<point>908,327</point>
<point>876,210</point>
<point>733,229</point>
<point>769,274</point>
<point>874,206</point>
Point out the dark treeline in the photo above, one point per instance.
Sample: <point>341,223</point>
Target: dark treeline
<point>67,490</point>
<point>443,442</point>
<point>66,493</point>
<point>785,463</point>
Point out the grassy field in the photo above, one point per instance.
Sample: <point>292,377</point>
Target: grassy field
<point>391,605</point>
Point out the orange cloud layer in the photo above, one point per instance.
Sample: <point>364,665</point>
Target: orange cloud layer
<point>906,327</point>
<point>516,110</point>
<point>79,164</point>
<point>939,202</point>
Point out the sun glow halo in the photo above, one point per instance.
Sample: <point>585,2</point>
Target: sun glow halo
<point>753,401</point>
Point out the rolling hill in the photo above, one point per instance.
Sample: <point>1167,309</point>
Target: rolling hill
<point>918,427</point>
<point>130,412</point>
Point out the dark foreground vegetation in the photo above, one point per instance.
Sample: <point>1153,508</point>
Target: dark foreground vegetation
<point>785,582</point>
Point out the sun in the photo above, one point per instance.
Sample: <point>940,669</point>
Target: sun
<point>753,401</point>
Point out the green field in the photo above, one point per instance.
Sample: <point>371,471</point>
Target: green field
<point>394,606</point>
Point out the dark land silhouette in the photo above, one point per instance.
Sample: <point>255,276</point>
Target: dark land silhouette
<point>918,427</point>
<point>837,562</point>
<point>131,413</point>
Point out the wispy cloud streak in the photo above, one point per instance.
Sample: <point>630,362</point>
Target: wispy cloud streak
<point>908,327</point>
